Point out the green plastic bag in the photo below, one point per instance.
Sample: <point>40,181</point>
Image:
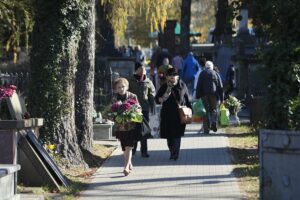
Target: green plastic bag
<point>198,108</point>
<point>224,115</point>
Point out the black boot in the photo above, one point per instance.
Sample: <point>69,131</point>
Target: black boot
<point>145,155</point>
<point>176,155</point>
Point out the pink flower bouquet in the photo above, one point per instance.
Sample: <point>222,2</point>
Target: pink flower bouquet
<point>7,91</point>
<point>126,112</point>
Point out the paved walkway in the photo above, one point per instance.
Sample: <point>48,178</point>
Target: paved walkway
<point>203,171</point>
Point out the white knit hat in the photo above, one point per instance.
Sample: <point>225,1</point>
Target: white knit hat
<point>209,65</point>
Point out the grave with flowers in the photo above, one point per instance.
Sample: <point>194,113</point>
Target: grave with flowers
<point>102,128</point>
<point>19,145</point>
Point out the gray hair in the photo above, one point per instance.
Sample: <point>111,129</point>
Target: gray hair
<point>209,65</point>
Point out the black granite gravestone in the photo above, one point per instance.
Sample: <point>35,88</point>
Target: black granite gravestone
<point>47,160</point>
<point>34,172</point>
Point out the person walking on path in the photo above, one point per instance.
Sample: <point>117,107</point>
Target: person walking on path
<point>139,54</point>
<point>171,93</point>
<point>162,71</point>
<point>164,53</point>
<point>143,87</point>
<point>202,62</point>
<point>177,63</point>
<point>189,71</point>
<point>210,90</point>
<point>126,137</point>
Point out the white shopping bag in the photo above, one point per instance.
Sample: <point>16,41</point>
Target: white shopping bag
<point>154,121</point>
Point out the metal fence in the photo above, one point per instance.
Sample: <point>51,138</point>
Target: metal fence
<point>107,69</point>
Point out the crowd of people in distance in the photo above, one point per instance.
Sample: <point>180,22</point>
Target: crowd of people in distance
<point>172,81</point>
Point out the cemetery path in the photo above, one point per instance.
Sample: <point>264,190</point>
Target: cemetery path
<point>203,171</point>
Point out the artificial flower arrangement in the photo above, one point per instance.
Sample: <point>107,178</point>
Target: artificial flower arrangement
<point>7,91</point>
<point>233,104</point>
<point>125,114</point>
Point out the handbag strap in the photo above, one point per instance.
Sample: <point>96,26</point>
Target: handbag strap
<point>175,98</point>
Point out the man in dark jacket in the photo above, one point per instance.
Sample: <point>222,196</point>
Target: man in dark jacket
<point>210,90</point>
<point>143,87</point>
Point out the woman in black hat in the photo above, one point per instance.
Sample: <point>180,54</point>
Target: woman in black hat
<point>170,94</point>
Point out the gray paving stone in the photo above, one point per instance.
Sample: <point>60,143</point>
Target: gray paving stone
<point>203,171</point>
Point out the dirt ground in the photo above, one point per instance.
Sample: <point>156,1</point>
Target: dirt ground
<point>93,159</point>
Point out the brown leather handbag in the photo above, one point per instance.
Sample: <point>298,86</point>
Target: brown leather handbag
<point>185,113</point>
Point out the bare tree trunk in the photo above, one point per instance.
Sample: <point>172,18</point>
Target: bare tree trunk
<point>84,91</point>
<point>185,26</point>
<point>66,137</point>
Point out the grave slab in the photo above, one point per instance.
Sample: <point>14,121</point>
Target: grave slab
<point>8,183</point>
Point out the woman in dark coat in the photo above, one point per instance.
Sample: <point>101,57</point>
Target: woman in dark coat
<point>169,95</point>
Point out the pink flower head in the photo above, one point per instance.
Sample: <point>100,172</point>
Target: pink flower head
<point>132,101</point>
<point>125,107</point>
<point>13,87</point>
<point>115,107</point>
<point>7,91</point>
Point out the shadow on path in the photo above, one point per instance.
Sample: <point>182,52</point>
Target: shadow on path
<point>206,180</point>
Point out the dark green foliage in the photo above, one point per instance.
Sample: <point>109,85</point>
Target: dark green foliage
<point>278,22</point>
<point>54,45</point>
<point>294,113</point>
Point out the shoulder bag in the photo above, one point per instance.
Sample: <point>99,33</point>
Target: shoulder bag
<point>185,113</point>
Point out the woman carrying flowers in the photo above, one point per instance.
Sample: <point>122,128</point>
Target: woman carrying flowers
<point>126,112</point>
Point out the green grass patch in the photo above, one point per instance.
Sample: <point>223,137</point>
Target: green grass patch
<point>243,141</point>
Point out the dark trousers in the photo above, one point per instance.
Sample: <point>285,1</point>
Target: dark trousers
<point>210,103</point>
<point>144,145</point>
<point>174,145</point>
